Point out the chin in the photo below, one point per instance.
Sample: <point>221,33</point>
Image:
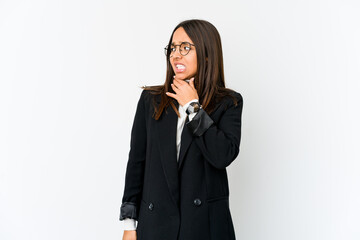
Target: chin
<point>183,75</point>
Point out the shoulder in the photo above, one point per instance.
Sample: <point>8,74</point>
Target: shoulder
<point>145,95</point>
<point>233,99</point>
<point>237,95</point>
<point>142,99</point>
<point>151,93</point>
<point>149,99</point>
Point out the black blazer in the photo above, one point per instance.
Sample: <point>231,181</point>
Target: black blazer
<point>188,200</point>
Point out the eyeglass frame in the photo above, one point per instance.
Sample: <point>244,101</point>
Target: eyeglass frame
<point>175,45</point>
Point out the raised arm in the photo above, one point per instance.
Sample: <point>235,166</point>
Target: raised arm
<point>219,142</point>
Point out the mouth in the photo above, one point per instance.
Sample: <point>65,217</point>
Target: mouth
<point>179,68</point>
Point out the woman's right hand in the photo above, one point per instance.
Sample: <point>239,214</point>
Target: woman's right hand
<point>129,235</point>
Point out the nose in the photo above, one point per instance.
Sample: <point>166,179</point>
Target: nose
<point>177,54</point>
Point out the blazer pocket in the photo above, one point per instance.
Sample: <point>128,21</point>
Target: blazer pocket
<point>147,227</point>
<point>221,226</point>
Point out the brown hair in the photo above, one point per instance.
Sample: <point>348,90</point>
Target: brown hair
<point>209,80</point>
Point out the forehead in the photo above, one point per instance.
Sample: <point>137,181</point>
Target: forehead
<point>180,36</point>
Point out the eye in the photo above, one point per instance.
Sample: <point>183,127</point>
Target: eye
<point>187,48</point>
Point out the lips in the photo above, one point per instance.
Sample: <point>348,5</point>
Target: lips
<point>179,67</point>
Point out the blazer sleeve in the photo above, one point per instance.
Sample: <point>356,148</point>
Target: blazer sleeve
<point>136,164</point>
<point>219,143</point>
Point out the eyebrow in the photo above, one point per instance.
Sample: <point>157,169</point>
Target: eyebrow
<point>173,43</point>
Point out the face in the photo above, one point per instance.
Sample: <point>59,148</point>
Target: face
<point>185,67</point>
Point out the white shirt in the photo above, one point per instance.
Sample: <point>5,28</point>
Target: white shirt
<point>130,224</point>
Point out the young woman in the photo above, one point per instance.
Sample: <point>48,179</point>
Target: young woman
<point>184,135</point>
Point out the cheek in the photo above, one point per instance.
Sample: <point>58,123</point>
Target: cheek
<point>193,62</point>
<point>172,65</point>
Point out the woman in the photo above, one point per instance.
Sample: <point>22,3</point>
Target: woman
<point>185,133</point>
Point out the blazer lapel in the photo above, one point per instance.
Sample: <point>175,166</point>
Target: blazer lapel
<point>186,139</point>
<point>166,133</point>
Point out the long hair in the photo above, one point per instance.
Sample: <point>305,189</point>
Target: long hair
<point>209,80</point>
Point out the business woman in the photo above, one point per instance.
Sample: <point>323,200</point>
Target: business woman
<point>184,135</point>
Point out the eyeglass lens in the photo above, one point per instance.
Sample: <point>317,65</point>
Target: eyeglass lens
<point>184,49</point>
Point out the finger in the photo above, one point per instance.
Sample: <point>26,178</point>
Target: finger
<point>175,84</point>
<point>174,88</point>
<point>191,82</point>
<point>178,81</point>
<point>171,95</point>
<point>179,84</point>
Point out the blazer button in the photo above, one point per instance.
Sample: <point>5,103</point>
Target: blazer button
<point>151,206</point>
<point>197,202</point>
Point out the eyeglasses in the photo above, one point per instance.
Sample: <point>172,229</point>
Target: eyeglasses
<point>184,49</point>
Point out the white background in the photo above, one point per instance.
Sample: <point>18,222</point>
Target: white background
<point>70,73</point>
